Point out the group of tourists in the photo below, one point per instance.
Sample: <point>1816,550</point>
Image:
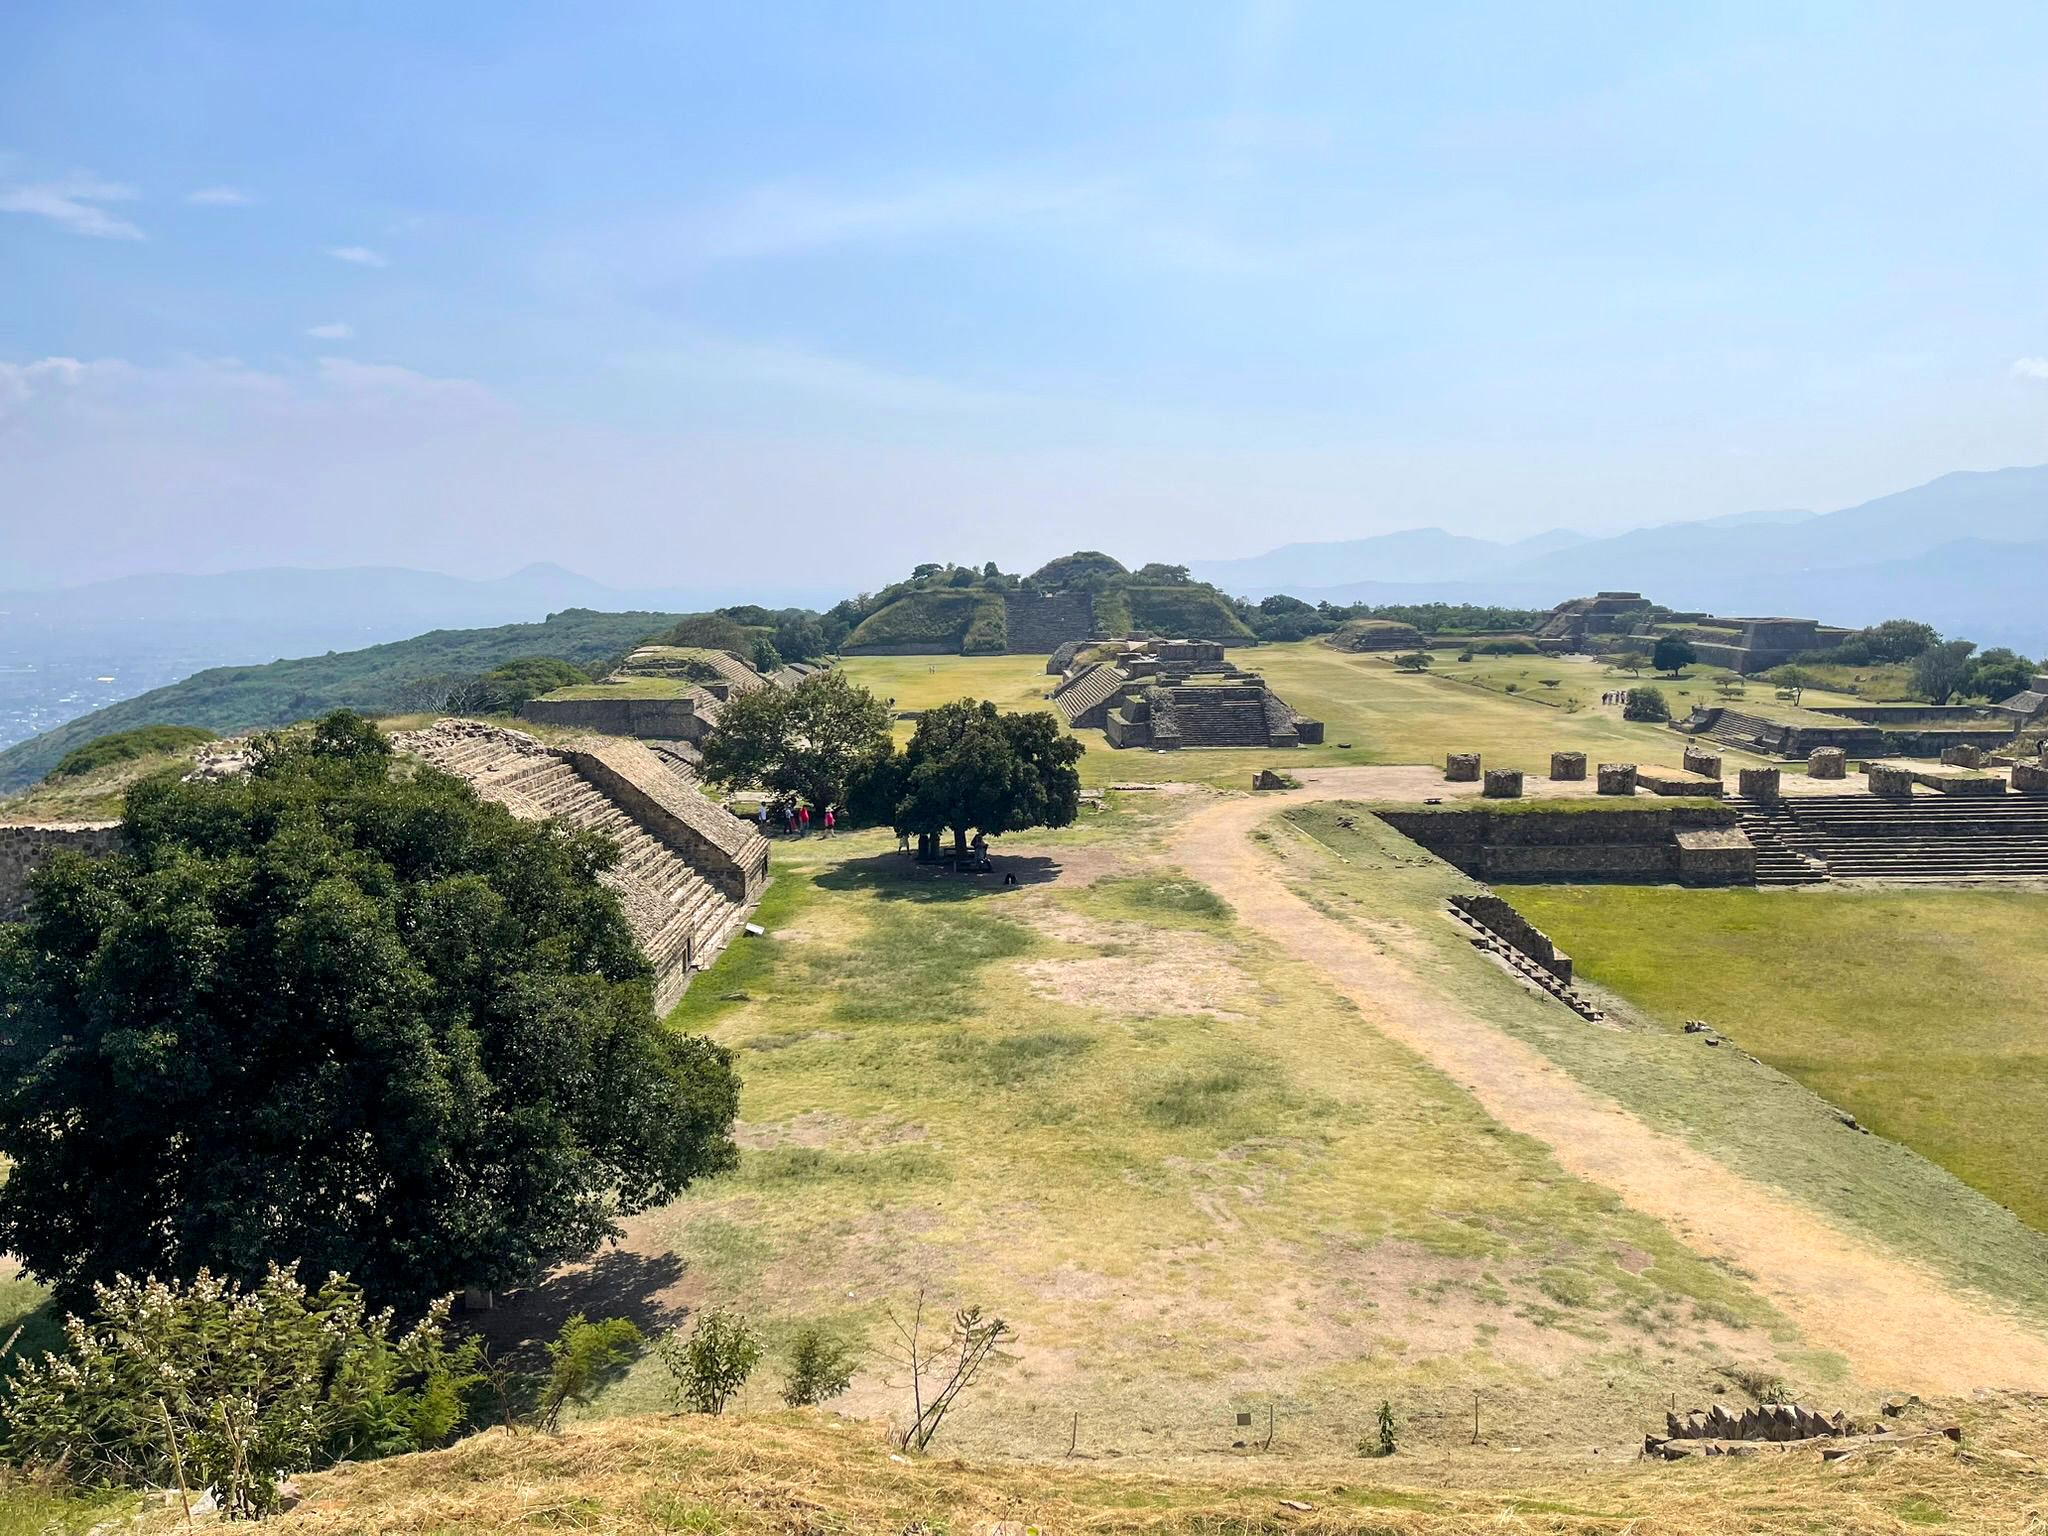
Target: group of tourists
<point>795,818</point>
<point>1616,696</point>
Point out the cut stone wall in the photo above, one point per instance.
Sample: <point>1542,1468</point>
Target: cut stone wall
<point>1535,844</point>
<point>673,719</point>
<point>1702,762</point>
<point>26,848</point>
<point>1503,784</point>
<point>1716,856</point>
<point>1890,783</point>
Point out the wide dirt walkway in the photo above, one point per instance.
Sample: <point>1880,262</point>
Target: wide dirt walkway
<point>1899,1325</point>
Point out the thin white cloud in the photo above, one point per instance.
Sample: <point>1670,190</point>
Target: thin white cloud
<point>795,371</point>
<point>782,218</point>
<point>220,197</point>
<point>391,380</point>
<point>332,330</point>
<point>358,255</point>
<point>74,204</point>
<point>2030,368</point>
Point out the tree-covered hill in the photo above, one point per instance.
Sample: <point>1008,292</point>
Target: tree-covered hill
<point>374,680</point>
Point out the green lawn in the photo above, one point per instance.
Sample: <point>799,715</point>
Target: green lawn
<point>1385,716</point>
<point>1914,1011</point>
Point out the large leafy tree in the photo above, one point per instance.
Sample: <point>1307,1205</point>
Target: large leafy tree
<point>971,768</point>
<point>338,1011</point>
<point>813,741</point>
<point>1673,655</point>
<point>1942,671</point>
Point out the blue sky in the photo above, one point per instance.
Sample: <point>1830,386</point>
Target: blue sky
<point>662,292</point>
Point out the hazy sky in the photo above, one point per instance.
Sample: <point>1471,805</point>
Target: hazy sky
<point>664,292</point>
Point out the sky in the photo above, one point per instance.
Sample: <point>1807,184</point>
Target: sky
<point>672,293</point>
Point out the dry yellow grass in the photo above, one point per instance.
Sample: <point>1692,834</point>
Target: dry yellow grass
<point>802,1473</point>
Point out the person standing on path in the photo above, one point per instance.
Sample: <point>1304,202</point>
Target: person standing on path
<point>803,821</point>
<point>830,821</point>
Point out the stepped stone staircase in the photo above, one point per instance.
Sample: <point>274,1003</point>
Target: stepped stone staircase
<point>1926,838</point>
<point>686,882</point>
<point>1082,701</point>
<point>1751,733</point>
<point>1039,623</point>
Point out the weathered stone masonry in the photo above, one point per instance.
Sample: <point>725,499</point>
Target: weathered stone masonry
<point>25,848</point>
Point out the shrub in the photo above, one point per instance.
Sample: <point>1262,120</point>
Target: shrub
<point>712,1363</point>
<point>210,1386</point>
<point>820,1368</point>
<point>581,1359</point>
<point>126,746</point>
<point>1646,704</point>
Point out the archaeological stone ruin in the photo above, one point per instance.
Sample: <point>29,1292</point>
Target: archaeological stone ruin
<point>1170,694</point>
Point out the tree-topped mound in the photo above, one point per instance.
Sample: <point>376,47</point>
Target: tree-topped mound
<point>980,611</point>
<point>1375,635</point>
<point>1083,568</point>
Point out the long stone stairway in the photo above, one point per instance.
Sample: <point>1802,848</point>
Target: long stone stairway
<point>1926,838</point>
<point>1219,722</point>
<point>1037,624</point>
<point>680,918</point>
<point>1786,854</point>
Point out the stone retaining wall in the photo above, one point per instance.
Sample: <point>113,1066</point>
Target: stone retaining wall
<point>1540,845</point>
<point>1517,930</point>
<point>26,848</point>
<point>672,719</point>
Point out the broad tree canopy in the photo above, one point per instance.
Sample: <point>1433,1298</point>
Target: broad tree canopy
<point>971,768</point>
<point>813,741</point>
<point>339,1011</point>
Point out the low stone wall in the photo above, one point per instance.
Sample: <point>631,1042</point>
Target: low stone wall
<point>1827,763</point>
<point>1517,930</point>
<point>1461,768</point>
<point>1673,781</point>
<point>671,719</point>
<point>25,848</point>
<point>1964,757</point>
<point>1536,844</point>
<point>2030,778</point>
<point>1568,767</point>
<point>1617,778</point>
<point>1891,783</point>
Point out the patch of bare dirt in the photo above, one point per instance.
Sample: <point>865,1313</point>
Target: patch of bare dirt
<point>1898,1324</point>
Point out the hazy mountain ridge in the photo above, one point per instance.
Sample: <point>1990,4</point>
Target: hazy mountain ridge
<point>1967,552</point>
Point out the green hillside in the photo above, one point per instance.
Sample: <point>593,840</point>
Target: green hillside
<point>944,618</point>
<point>228,699</point>
<point>1195,612</point>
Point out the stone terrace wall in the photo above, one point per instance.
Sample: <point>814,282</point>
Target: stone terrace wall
<point>1536,844</point>
<point>1517,930</point>
<point>26,848</point>
<point>725,850</point>
<point>674,719</point>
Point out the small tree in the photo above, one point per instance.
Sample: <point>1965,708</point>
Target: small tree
<point>1941,671</point>
<point>766,658</point>
<point>712,1363</point>
<point>820,1368</point>
<point>1386,1428</point>
<point>1646,704</point>
<point>1795,680</point>
<point>941,1371</point>
<point>1632,662</point>
<point>1673,655</point>
<point>812,741</point>
<point>581,1359</point>
<point>1412,661</point>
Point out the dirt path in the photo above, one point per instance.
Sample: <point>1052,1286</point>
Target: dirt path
<point>1899,1325</point>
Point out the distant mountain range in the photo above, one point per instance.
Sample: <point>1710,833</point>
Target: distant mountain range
<point>1967,553</point>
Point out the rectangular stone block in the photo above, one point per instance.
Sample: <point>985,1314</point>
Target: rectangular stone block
<point>1461,768</point>
<point>1503,784</point>
<point>1963,757</point>
<point>2030,778</point>
<point>1891,783</point>
<point>1568,766</point>
<point>1827,763</point>
<point>1760,784</point>
<point>1617,779</point>
<point>1699,760</point>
